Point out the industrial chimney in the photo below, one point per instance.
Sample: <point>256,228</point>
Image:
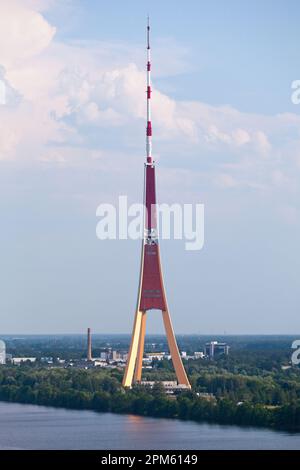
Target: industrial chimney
<point>89,345</point>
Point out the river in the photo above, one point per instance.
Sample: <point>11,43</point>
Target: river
<point>39,427</point>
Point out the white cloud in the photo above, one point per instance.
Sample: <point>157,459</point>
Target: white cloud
<point>290,214</point>
<point>225,180</point>
<point>262,142</point>
<point>66,93</point>
<point>24,33</point>
<point>36,5</point>
<point>241,137</point>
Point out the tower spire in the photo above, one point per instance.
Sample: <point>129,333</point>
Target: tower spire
<point>149,124</point>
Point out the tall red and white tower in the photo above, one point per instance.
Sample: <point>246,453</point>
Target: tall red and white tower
<point>151,292</point>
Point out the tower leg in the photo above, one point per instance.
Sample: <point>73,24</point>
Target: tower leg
<point>176,359</point>
<point>140,353</point>
<point>132,355</point>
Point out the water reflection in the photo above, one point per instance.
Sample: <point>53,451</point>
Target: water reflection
<point>32,427</point>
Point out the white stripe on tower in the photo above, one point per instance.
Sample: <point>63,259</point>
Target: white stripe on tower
<point>149,126</point>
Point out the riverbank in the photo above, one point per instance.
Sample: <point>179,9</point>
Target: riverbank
<point>86,390</point>
<point>32,427</point>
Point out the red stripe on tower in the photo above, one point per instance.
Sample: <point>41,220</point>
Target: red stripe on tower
<point>149,129</point>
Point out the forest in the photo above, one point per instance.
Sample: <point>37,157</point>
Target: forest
<point>254,389</point>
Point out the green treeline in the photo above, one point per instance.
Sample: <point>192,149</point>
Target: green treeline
<point>256,401</point>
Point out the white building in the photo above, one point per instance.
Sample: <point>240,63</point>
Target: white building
<point>19,360</point>
<point>98,362</point>
<point>198,354</point>
<point>168,385</point>
<point>213,347</point>
<point>155,356</point>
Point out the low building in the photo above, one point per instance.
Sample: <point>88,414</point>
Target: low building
<point>47,360</point>
<point>115,356</point>
<point>155,356</point>
<point>214,347</point>
<point>198,355</point>
<point>99,362</point>
<point>168,385</point>
<point>124,357</point>
<point>206,396</point>
<point>20,360</point>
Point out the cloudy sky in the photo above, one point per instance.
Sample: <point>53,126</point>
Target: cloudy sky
<point>72,136</point>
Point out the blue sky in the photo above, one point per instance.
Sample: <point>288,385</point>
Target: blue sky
<point>240,53</point>
<point>226,134</point>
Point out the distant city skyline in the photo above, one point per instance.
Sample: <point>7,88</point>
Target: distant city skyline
<point>72,136</point>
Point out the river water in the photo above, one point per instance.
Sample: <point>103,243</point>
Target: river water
<point>38,427</point>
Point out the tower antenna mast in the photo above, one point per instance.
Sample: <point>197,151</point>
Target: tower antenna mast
<point>149,124</point>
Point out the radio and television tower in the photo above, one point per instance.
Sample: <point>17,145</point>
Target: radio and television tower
<point>151,292</point>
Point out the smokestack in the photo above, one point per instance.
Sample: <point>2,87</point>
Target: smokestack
<point>89,345</point>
